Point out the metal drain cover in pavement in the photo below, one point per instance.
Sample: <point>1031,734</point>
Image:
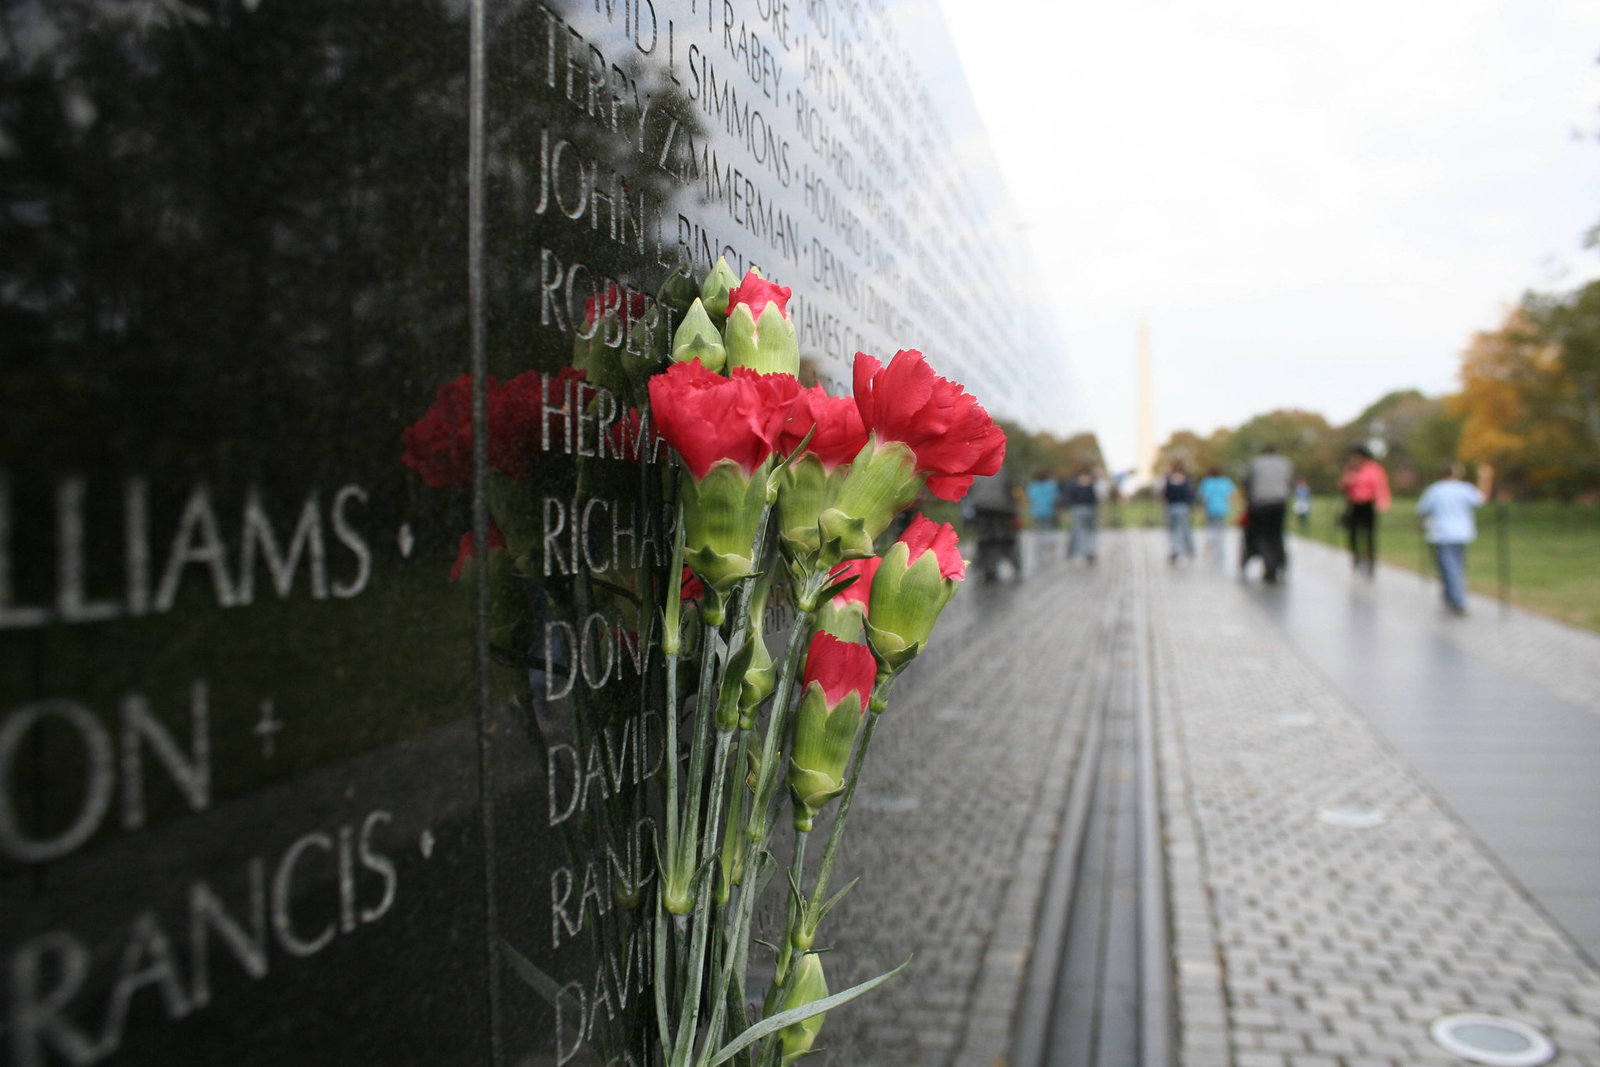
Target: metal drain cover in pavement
<point>1493,1040</point>
<point>1352,816</point>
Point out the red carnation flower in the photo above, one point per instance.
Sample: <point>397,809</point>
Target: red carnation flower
<point>777,392</point>
<point>839,667</point>
<point>707,417</point>
<point>439,445</point>
<point>464,552</point>
<point>953,437</point>
<point>858,592</point>
<point>757,292</point>
<point>840,433</point>
<point>925,535</point>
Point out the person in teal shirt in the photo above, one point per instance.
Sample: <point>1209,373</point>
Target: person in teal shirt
<point>1044,500</point>
<point>1216,497</point>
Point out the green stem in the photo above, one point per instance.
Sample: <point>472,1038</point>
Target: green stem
<point>702,729</point>
<point>784,976</point>
<point>671,642</point>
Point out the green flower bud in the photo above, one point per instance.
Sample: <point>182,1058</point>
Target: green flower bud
<point>839,677</point>
<point>810,986</point>
<point>917,578</point>
<point>715,289</point>
<point>768,345</point>
<point>760,678</point>
<point>699,338</point>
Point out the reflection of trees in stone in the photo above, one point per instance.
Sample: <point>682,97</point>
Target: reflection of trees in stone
<point>573,182</point>
<point>232,235</point>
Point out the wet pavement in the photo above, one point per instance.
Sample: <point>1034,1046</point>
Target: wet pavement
<point>1371,815</point>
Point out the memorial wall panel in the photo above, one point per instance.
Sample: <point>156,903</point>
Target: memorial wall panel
<point>330,720</point>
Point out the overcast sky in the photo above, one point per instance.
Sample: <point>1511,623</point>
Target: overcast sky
<point>1310,204</point>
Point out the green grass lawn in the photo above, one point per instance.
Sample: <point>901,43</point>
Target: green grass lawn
<point>1552,552</point>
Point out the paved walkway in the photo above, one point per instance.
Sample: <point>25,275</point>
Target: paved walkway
<point>1295,942</point>
<point>1286,711</point>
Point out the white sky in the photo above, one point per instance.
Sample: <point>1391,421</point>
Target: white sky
<point>1310,204</point>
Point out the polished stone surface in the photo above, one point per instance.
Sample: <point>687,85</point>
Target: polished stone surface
<point>279,768</point>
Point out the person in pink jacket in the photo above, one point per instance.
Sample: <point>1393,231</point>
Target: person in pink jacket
<point>1365,485</point>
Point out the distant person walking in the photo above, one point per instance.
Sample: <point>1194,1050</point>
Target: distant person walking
<point>1178,491</point>
<point>1365,485</point>
<point>991,508</point>
<point>1446,513</point>
<point>1267,487</point>
<point>1083,500</point>
<point>1216,497</point>
<point>1044,501</point>
<point>1302,504</point>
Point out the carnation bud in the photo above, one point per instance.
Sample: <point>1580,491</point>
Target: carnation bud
<point>839,678</point>
<point>698,338</point>
<point>917,578</point>
<point>760,679</point>
<point>715,289</point>
<point>768,345</point>
<point>809,986</point>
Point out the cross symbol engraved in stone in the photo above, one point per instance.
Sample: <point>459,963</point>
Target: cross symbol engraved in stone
<point>267,729</point>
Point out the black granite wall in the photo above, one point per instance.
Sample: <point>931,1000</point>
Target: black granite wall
<point>275,784</point>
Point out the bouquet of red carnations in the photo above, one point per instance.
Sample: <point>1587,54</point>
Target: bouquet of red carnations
<point>784,484</point>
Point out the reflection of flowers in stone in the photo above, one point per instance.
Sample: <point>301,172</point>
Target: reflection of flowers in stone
<point>515,411</point>
<point>628,307</point>
<point>917,578</point>
<point>759,334</point>
<point>838,679</point>
<point>439,445</point>
<point>464,552</point>
<point>951,436</point>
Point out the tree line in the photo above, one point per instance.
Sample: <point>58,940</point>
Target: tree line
<point>1529,404</point>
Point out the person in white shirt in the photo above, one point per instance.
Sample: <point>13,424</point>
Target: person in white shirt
<point>1446,514</point>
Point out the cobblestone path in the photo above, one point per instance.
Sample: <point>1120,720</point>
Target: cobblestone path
<point>956,823</point>
<point>1299,943</point>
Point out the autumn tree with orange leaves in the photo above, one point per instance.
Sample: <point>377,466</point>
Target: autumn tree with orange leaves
<point>1530,395</point>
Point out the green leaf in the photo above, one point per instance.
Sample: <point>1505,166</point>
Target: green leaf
<point>836,588</point>
<point>788,460</point>
<point>823,911</point>
<point>773,1024</point>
